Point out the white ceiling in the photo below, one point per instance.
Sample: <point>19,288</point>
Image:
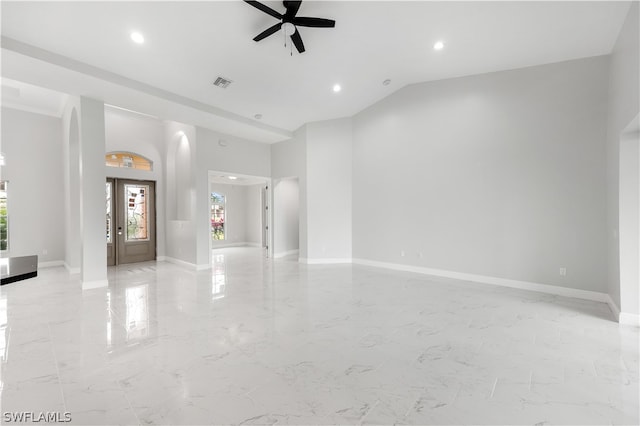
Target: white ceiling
<point>83,48</point>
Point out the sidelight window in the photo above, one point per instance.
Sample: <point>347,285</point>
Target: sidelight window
<point>109,189</point>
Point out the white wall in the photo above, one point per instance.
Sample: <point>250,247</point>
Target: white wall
<point>623,107</point>
<point>71,172</point>
<point>500,175</point>
<point>289,160</point>
<point>222,153</point>
<point>319,156</point>
<point>92,193</point>
<point>180,171</point>
<point>145,136</point>
<point>32,144</point>
<point>329,191</point>
<point>253,218</point>
<point>286,211</point>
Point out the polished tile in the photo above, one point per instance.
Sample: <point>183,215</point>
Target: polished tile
<point>255,341</point>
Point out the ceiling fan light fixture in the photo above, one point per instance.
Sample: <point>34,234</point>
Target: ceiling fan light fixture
<point>288,28</point>
<point>288,22</point>
<point>439,45</point>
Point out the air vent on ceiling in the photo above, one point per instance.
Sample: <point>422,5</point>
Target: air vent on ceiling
<point>222,82</point>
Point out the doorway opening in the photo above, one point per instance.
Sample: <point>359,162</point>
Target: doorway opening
<point>629,224</point>
<point>286,222</point>
<point>130,221</point>
<point>238,212</point>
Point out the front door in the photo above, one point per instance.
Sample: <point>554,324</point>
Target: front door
<point>131,221</point>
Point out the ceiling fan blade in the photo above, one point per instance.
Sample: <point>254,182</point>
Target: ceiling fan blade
<point>297,41</point>
<point>314,22</point>
<point>266,33</point>
<point>265,9</point>
<point>292,8</point>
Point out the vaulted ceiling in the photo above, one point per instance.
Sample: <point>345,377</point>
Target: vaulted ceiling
<point>84,48</point>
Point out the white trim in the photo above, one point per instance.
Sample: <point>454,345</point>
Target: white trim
<point>503,282</point>
<point>71,270</point>
<point>320,261</point>
<point>614,308</point>
<point>50,264</point>
<point>179,262</point>
<point>226,245</point>
<point>31,109</point>
<point>161,258</point>
<point>203,267</point>
<point>90,285</point>
<point>629,319</point>
<point>286,253</point>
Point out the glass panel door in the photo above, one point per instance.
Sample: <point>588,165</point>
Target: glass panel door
<point>130,221</point>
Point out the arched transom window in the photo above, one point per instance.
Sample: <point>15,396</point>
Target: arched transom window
<point>128,160</point>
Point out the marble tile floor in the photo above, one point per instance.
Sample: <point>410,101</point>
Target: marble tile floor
<point>255,341</point>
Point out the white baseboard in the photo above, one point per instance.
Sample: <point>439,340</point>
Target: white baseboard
<point>161,258</point>
<point>203,267</point>
<point>71,270</point>
<point>626,318</point>
<point>503,282</point>
<point>286,253</point>
<point>51,264</point>
<point>614,308</point>
<point>227,245</point>
<point>179,262</point>
<point>327,261</point>
<point>90,285</point>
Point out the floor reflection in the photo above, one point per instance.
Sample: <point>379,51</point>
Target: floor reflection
<point>131,308</point>
<point>137,319</point>
<point>218,277</point>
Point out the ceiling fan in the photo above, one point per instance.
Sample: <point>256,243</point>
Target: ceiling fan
<point>289,21</point>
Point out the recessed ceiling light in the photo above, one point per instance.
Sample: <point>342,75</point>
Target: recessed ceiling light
<point>439,45</point>
<point>337,88</point>
<point>257,116</point>
<point>137,37</point>
<point>386,82</point>
<point>233,177</point>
